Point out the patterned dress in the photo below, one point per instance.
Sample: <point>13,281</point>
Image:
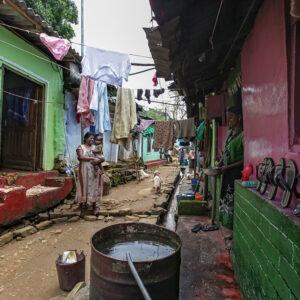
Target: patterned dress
<point>233,152</point>
<point>89,184</point>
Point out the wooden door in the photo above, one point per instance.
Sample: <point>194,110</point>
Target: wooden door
<point>21,142</point>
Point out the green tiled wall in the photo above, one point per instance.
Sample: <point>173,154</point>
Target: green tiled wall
<point>266,253</point>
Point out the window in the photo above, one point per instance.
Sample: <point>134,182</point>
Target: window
<point>149,144</point>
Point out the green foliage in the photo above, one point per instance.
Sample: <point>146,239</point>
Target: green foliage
<point>153,114</point>
<point>60,14</point>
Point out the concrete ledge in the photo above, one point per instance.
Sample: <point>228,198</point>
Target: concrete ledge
<point>192,207</point>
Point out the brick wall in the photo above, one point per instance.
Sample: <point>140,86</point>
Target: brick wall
<point>266,253</point>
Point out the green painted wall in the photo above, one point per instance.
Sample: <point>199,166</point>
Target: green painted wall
<point>47,74</point>
<point>266,248</point>
<point>149,156</point>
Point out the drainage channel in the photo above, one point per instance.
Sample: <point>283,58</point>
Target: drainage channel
<point>170,221</point>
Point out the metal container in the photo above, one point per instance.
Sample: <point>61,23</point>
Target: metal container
<point>212,171</point>
<point>111,278</point>
<point>70,274</point>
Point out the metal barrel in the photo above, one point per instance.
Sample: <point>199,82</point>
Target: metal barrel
<point>111,278</point>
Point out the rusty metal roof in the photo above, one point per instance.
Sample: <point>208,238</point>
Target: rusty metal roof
<point>16,13</point>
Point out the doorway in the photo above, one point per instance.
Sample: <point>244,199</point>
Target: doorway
<point>22,119</point>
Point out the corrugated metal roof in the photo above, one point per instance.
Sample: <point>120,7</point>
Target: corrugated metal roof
<point>185,28</point>
<point>16,13</point>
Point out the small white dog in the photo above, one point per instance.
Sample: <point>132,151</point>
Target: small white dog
<point>143,174</point>
<point>157,182</point>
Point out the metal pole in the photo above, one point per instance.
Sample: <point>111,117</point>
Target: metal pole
<point>137,277</point>
<point>214,201</point>
<point>82,27</point>
<point>82,52</point>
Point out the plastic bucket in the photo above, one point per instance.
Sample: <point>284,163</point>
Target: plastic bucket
<point>70,274</point>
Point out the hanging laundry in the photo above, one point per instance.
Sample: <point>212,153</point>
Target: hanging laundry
<point>144,124</point>
<point>17,107</point>
<point>73,130</point>
<point>125,118</point>
<point>58,47</point>
<point>147,95</point>
<point>110,151</point>
<point>100,108</point>
<point>200,131</point>
<point>185,129</point>
<point>139,94</point>
<point>158,92</point>
<point>84,100</point>
<point>107,66</point>
<point>154,79</point>
<point>164,135</point>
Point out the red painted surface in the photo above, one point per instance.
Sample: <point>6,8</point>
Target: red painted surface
<point>206,272</point>
<point>15,205</point>
<point>154,163</point>
<point>265,88</point>
<point>32,179</point>
<point>216,107</point>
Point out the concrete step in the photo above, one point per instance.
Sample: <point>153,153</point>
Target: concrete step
<point>154,163</point>
<point>30,179</point>
<point>15,204</point>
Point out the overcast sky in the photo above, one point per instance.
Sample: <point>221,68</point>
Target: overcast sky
<point>117,25</point>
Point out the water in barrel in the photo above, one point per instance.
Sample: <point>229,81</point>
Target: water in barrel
<point>142,248</point>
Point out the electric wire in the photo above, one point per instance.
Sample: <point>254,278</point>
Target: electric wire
<point>76,43</point>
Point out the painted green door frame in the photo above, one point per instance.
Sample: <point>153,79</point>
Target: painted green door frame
<point>37,66</point>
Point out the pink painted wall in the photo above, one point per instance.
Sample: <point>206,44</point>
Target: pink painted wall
<point>265,87</point>
<point>222,130</point>
<point>216,107</point>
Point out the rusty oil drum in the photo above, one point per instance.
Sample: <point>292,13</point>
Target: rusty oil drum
<point>111,278</point>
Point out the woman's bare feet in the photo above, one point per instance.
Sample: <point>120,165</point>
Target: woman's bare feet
<point>80,209</point>
<point>95,210</point>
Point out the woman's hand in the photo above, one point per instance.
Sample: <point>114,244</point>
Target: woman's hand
<point>95,161</point>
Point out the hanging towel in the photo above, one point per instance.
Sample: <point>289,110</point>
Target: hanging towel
<point>99,106</point>
<point>84,100</point>
<point>107,66</point>
<point>144,124</point>
<point>158,92</point>
<point>125,118</point>
<point>185,129</point>
<point>154,79</point>
<point>147,95</point>
<point>58,47</point>
<point>139,94</point>
<point>164,135</point>
<point>110,151</point>
<point>17,107</point>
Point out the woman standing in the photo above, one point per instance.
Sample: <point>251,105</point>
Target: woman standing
<point>89,184</point>
<point>231,164</point>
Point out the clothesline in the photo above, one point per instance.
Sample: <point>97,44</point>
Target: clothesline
<point>52,62</point>
<point>36,100</point>
<point>31,99</point>
<point>160,102</point>
<point>33,32</point>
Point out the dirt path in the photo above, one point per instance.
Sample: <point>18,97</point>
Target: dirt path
<point>27,267</point>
